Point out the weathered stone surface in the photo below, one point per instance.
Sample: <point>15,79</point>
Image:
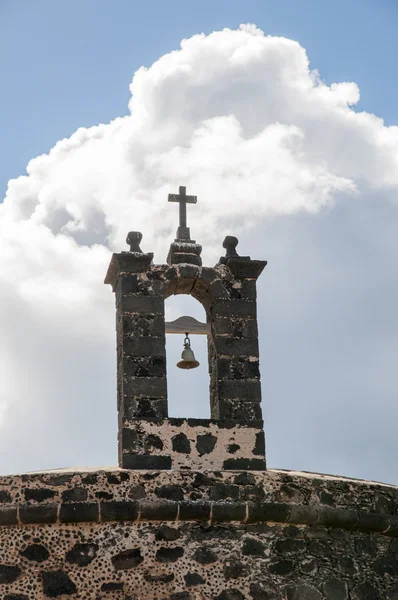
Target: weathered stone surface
<point>9,573</point>
<point>128,559</point>
<point>36,552</point>
<point>193,579</point>
<point>166,555</point>
<point>181,443</point>
<point>57,583</point>
<point>82,554</point>
<point>205,546</point>
<point>205,556</point>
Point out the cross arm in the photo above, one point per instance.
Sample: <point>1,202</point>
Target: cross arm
<point>187,199</point>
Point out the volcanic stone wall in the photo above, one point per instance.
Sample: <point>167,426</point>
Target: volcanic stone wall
<point>123,535</point>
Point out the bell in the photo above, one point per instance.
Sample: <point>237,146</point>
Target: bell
<point>188,360</point>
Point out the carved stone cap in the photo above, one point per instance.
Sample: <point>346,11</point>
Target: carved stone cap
<point>244,267</point>
<point>183,251</point>
<point>127,262</point>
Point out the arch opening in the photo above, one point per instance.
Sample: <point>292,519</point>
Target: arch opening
<point>188,390</point>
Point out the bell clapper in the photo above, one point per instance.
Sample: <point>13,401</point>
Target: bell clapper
<point>188,360</point>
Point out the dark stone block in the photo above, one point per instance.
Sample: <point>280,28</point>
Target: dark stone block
<point>303,592</point>
<point>9,574</point>
<point>8,515</point>
<point>205,444</point>
<point>39,495</point>
<point>373,521</point>
<point>245,479</point>
<point>252,547</point>
<point>234,308</point>
<point>146,462</point>
<point>244,390</point>
<point>199,422</point>
<point>275,512</point>
<point>104,496</point>
<point>223,491</point>
<point>205,556</point>
<point>143,366</point>
<point>232,594</point>
<point>167,534</point>
<point>159,578</point>
<point>82,554</point>
<point>146,387</point>
<point>365,591</point>
<point>121,510</point>
<point>137,492</point>
<point>202,480</point>
<point>229,511</point>
<point>290,546</point>
<point>259,447</point>
<point>30,514</point>
<point>141,304</point>
<point>281,567</point>
<point>337,517</point>
<point>169,492</point>
<point>233,448</point>
<point>153,441</point>
<point>233,569</point>
<point>365,546</point>
<point>238,368</point>
<point>239,410</point>
<point>261,591</point>
<point>252,493</point>
<point>303,515</point>
<point>335,589</point>
<point>36,552</point>
<point>4,496</point>
<point>79,512</point>
<point>112,586</point>
<point>75,495</point>
<point>128,559</point>
<point>57,583</point>
<point>90,479</point>
<point>158,511</point>
<point>167,555</point>
<point>236,347</point>
<point>242,464</point>
<point>181,443</point>
<point>144,408</point>
<point>194,511</point>
<point>144,346</point>
<point>193,579</point>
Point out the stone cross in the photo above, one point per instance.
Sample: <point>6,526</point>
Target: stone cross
<point>183,231</point>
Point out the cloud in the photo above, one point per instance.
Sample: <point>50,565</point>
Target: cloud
<point>241,120</point>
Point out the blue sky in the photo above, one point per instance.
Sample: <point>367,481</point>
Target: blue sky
<point>317,198</point>
<point>66,64</point>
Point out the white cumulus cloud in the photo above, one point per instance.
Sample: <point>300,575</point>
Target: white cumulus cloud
<point>236,116</point>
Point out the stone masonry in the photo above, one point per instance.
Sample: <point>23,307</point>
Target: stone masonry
<point>117,534</point>
<point>148,439</point>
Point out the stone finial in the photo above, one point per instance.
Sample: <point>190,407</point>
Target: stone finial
<point>230,242</point>
<point>134,239</point>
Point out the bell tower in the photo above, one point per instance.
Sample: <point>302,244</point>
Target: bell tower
<point>233,438</point>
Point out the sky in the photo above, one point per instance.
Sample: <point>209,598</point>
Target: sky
<point>282,118</point>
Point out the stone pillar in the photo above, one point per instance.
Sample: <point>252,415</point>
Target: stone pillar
<point>234,368</point>
<point>141,361</point>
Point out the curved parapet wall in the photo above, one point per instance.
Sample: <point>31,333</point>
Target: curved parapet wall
<point>121,534</point>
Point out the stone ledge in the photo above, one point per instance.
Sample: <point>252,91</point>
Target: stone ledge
<point>211,512</point>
